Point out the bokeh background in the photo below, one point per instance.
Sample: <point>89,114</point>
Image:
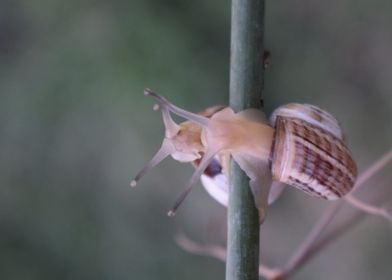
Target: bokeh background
<point>75,127</point>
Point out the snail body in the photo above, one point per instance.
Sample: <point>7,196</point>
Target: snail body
<point>301,145</point>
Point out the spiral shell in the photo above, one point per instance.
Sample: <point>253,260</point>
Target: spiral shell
<point>309,152</point>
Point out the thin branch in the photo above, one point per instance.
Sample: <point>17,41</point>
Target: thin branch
<point>368,208</point>
<point>193,247</point>
<point>363,206</point>
<point>342,228</point>
<point>300,256</point>
<point>335,233</point>
<point>373,169</point>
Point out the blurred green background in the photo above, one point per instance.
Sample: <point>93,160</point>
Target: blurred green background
<point>75,127</point>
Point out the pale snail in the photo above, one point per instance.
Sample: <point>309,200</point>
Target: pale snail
<point>302,146</point>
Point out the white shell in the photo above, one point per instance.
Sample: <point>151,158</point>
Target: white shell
<point>217,187</point>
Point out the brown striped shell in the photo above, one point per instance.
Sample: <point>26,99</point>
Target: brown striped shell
<point>309,152</point>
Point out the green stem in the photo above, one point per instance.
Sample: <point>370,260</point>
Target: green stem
<point>246,86</point>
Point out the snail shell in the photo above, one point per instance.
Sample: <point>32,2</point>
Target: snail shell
<point>309,152</point>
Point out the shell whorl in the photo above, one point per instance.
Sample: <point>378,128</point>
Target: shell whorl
<point>309,151</point>
<point>310,114</point>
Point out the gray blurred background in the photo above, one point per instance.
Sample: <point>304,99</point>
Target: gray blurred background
<point>75,127</point>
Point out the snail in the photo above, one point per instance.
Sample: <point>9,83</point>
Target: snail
<point>302,146</point>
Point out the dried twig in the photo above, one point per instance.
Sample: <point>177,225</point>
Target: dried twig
<point>373,169</point>
<point>364,206</point>
<point>368,208</point>
<point>300,256</point>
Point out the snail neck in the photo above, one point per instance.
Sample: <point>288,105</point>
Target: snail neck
<point>240,133</point>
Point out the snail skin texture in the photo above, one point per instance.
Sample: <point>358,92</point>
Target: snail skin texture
<point>302,146</point>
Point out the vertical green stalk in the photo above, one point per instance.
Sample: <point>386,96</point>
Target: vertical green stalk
<point>246,87</point>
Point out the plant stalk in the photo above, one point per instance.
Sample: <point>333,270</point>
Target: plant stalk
<point>246,87</point>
